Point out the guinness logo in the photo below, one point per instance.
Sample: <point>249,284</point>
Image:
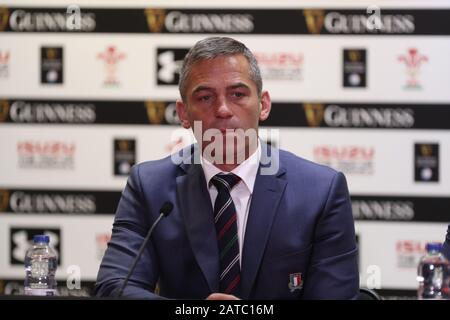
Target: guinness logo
<point>426,150</point>
<point>4,15</point>
<point>155,111</point>
<point>124,145</point>
<point>314,20</point>
<point>51,53</point>
<point>155,19</point>
<point>314,113</point>
<point>354,55</point>
<point>4,200</point>
<point>4,110</point>
<point>124,156</point>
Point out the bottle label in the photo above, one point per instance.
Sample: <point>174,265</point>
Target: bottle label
<point>39,268</point>
<point>40,292</point>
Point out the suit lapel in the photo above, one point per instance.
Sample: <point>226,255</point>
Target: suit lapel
<point>267,194</point>
<point>197,211</point>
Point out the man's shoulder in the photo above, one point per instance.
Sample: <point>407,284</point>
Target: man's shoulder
<point>170,163</point>
<point>301,173</point>
<point>293,162</point>
<point>163,165</point>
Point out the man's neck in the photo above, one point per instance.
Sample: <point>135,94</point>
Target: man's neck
<point>228,167</point>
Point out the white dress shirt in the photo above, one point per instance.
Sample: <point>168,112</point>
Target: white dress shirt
<point>242,191</point>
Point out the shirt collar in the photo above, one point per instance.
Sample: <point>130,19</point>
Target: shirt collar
<point>247,170</point>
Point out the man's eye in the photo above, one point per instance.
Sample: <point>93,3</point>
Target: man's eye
<point>238,94</point>
<point>204,98</point>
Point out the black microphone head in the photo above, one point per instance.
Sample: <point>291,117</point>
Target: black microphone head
<point>166,208</point>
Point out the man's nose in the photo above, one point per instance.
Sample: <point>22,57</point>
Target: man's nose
<point>223,109</point>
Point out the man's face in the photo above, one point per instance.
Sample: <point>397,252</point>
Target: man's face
<point>221,95</point>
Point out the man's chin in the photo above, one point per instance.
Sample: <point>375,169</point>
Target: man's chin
<point>228,155</point>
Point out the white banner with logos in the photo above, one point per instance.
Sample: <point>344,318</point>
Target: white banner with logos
<point>80,242</point>
<point>389,252</point>
<point>82,157</point>
<point>294,67</point>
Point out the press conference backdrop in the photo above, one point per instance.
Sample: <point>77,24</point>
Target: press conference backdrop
<point>79,107</point>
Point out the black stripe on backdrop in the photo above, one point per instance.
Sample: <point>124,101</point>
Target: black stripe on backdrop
<point>322,115</point>
<point>365,207</point>
<point>229,21</point>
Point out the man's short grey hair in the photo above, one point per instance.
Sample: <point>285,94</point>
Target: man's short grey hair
<point>214,47</point>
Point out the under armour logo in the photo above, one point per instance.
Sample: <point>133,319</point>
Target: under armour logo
<point>22,239</point>
<point>169,66</point>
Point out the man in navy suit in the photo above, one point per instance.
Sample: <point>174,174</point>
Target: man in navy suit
<point>249,221</point>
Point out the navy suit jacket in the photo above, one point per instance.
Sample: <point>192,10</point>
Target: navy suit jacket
<point>300,226</point>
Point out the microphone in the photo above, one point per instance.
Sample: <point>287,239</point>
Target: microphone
<point>165,210</point>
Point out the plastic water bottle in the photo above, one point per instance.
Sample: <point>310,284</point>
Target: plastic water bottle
<point>433,274</point>
<point>40,268</point>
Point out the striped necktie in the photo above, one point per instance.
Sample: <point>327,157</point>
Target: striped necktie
<point>227,237</point>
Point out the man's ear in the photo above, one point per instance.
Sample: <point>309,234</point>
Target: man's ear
<point>266,106</point>
<point>182,114</point>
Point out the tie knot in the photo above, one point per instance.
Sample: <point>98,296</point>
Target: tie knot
<point>227,181</point>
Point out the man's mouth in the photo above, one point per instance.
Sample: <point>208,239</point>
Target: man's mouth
<point>227,130</point>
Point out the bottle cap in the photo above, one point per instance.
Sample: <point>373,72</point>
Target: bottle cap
<point>434,246</point>
<point>41,238</point>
